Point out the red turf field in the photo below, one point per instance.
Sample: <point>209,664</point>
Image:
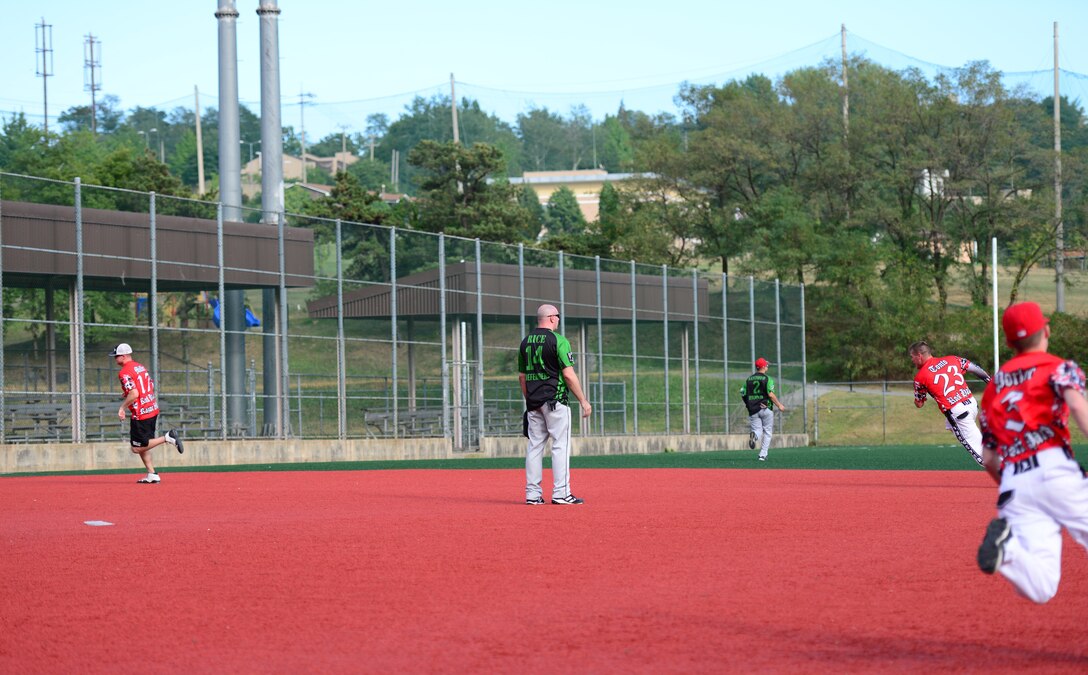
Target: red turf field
<point>447,571</point>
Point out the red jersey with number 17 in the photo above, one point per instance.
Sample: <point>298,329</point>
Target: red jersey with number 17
<point>1023,407</point>
<point>135,376</point>
<point>942,378</point>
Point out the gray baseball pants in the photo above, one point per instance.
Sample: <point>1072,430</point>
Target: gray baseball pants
<point>762,424</point>
<point>545,423</point>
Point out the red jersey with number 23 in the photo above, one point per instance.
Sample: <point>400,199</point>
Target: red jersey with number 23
<point>1023,407</point>
<point>942,378</point>
<point>135,376</point>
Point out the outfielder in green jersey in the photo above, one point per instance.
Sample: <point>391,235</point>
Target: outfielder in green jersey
<point>547,378</point>
<point>758,396</point>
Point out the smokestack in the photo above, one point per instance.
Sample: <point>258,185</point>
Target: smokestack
<point>271,126</point>
<point>271,199</point>
<point>230,194</point>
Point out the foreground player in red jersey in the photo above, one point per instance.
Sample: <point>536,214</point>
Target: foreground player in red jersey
<point>942,378</point>
<point>1025,437</point>
<point>139,391</point>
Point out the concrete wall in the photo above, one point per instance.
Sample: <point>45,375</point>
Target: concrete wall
<point>89,456</point>
<point>642,445</point>
<point>29,458</point>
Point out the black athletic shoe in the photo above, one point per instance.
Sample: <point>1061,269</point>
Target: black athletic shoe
<point>175,438</point>
<point>752,440</point>
<point>569,499</point>
<point>534,501</point>
<point>992,550</point>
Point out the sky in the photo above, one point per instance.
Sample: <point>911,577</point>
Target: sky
<point>358,58</point>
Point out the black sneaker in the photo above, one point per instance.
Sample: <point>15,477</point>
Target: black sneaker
<point>175,438</point>
<point>569,499</point>
<point>751,440</point>
<point>992,550</point>
<point>534,501</point>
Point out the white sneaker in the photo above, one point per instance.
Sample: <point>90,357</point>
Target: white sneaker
<point>149,478</point>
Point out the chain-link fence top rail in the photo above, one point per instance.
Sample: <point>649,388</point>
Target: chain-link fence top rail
<point>340,329</point>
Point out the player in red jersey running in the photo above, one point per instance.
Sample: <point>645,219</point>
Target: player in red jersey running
<point>139,391</point>
<point>942,378</point>
<point>1025,438</point>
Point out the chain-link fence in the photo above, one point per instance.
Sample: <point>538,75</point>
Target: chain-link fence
<point>880,413</point>
<point>318,328</point>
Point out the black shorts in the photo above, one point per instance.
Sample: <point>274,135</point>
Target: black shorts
<point>142,431</point>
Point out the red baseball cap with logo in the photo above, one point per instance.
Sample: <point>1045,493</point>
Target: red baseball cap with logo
<point>1021,320</point>
<point>761,362</point>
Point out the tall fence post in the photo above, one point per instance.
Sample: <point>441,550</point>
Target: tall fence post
<point>634,345</point>
<point>79,428</point>
<point>665,334</point>
<point>600,347</point>
<point>442,328</point>
<point>285,381</point>
<point>752,318</point>
<point>804,363</point>
<point>341,351</point>
<point>725,346</point>
<point>211,391</point>
<point>222,322</point>
<point>884,411</point>
<point>153,293</point>
<point>479,341</point>
<point>393,327</point>
<point>521,290</point>
<point>695,321</point>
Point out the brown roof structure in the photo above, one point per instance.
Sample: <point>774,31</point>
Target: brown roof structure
<point>418,295</point>
<point>40,246</point>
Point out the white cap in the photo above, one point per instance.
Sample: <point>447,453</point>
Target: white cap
<point>121,350</point>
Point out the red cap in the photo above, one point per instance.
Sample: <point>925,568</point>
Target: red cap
<point>761,362</point>
<point>1021,320</point>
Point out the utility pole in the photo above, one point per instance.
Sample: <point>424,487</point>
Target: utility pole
<point>372,148</point>
<point>91,64</point>
<point>302,103</point>
<point>453,106</point>
<point>43,44</point>
<point>845,91</point>
<point>199,144</point>
<point>1059,228</point>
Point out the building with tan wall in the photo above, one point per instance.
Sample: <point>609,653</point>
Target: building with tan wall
<point>292,168</point>
<point>586,184</point>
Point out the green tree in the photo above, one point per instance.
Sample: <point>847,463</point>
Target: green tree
<point>564,216</point>
<point>544,140</point>
<point>459,196</point>
<point>107,115</point>
<point>529,200</point>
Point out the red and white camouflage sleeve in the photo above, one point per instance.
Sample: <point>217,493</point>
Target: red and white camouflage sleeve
<point>1068,375</point>
<point>919,392</point>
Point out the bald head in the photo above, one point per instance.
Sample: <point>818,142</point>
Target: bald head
<point>545,314</point>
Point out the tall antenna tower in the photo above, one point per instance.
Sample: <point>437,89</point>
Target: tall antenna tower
<point>43,45</point>
<point>303,101</point>
<point>92,63</point>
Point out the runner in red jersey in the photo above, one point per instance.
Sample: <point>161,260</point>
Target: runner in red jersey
<point>141,401</point>
<point>1026,449</point>
<point>942,378</point>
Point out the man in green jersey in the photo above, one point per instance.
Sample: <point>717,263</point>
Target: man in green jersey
<point>758,396</point>
<point>547,377</point>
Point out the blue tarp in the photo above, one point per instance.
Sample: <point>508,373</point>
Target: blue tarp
<point>251,320</point>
